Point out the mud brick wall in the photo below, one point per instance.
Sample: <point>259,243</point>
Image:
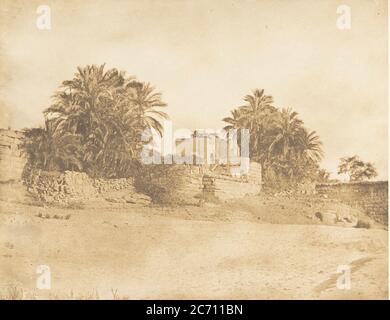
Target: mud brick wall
<point>225,187</point>
<point>12,161</point>
<point>192,189</point>
<point>66,186</point>
<point>112,185</point>
<point>229,188</point>
<point>254,174</point>
<point>371,197</point>
<point>201,182</point>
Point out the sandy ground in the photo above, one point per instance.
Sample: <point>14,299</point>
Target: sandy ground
<point>215,252</point>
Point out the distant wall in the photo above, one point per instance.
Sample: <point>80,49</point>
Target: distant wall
<point>12,161</point>
<point>371,197</point>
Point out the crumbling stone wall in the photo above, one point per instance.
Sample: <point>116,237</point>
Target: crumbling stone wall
<point>66,186</point>
<point>73,186</point>
<point>371,197</point>
<point>216,182</point>
<point>226,187</point>
<point>12,160</point>
<point>192,189</point>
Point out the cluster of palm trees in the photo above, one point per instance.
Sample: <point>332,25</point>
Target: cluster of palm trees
<point>95,123</point>
<point>278,138</point>
<point>96,120</point>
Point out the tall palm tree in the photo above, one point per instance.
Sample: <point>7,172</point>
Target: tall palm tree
<point>108,111</point>
<point>51,151</point>
<point>257,115</point>
<point>234,126</point>
<point>144,106</point>
<point>311,145</point>
<point>278,138</point>
<point>79,104</point>
<point>288,138</point>
<point>293,149</point>
<point>234,121</point>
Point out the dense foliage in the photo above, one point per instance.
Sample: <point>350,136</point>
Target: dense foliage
<point>162,183</point>
<point>356,169</point>
<point>286,149</point>
<point>94,124</point>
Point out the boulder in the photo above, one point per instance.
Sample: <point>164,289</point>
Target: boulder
<point>137,198</point>
<point>328,217</point>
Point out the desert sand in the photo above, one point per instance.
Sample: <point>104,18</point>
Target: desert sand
<point>217,251</point>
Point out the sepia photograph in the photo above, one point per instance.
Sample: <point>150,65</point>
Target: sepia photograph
<point>193,149</point>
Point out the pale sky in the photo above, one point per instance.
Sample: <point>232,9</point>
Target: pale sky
<point>205,56</point>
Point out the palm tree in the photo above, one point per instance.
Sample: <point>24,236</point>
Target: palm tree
<point>144,104</point>
<point>293,149</point>
<point>288,138</point>
<point>51,151</point>
<point>311,145</point>
<point>79,104</point>
<point>108,111</point>
<point>257,115</point>
<point>278,138</point>
<point>234,122</point>
<point>292,137</point>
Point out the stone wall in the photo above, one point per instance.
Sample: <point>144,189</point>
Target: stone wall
<point>68,186</point>
<point>216,182</point>
<point>12,161</point>
<point>371,197</point>
<point>60,186</point>
<point>192,188</point>
<point>226,187</point>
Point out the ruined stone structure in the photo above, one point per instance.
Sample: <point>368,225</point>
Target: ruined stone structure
<point>208,148</point>
<point>60,187</point>
<point>68,186</point>
<point>371,197</point>
<point>12,161</point>
<point>208,179</point>
<point>203,182</point>
<point>226,187</point>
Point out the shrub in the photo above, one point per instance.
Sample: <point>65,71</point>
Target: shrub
<point>162,183</point>
<point>363,224</point>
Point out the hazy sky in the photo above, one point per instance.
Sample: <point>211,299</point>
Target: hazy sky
<point>204,56</point>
